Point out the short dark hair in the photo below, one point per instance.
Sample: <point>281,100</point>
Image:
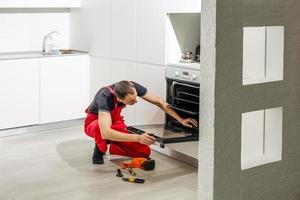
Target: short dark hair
<point>122,88</point>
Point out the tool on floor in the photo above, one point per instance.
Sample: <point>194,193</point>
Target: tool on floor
<point>132,176</point>
<point>135,163</point>
<point>141,163</point>
<point>119,173</point>
<point>134,180</point>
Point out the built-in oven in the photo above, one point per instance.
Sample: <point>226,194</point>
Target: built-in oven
<point>182,94</point>
<point>183,97</point>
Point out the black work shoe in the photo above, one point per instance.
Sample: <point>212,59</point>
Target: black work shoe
<point>98,156</point>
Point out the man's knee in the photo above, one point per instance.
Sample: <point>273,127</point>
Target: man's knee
<point>146,151</point>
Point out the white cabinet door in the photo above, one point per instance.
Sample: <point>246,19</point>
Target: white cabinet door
<point>19,89</point>
<point>12,3</point>
<point>123,29</point>
<point>100,75</point>
<point>53,3</point>
<point>150,31</point>
<point>99,31</point>
<point>153,78</point>
<point>183,6</point>
<point>63,88</point>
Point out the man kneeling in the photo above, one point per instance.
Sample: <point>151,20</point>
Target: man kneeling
<point>105,124</point>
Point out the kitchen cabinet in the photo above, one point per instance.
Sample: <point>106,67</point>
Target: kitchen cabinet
<point>186,6</point>
<point>152,77</point>
<point>19,89</point>
<point>123,29</point>
<point>100,75</point>
<point>150,31</point>
<point>63,88</point>
<point>12,3</point>
<point>39,3</point>
<point>53,3</point>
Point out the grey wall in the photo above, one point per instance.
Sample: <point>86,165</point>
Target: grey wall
<point>275,181</point>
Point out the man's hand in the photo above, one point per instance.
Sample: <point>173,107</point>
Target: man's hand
<point>146,139</point>
<point>188,121</point>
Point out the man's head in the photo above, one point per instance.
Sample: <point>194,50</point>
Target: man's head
<point>126,92</point>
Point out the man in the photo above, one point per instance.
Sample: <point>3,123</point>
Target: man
<point>105,112</point>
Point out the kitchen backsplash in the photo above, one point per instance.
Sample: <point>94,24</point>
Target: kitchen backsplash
<point>25,31</point>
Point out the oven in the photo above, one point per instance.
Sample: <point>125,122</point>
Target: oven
<point>182,94</point>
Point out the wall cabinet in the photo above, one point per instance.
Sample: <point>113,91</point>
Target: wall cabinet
<point>123,29</point>
<point>12,3</point>
<point>179,6</point>
<point>19,89</point>
<point>53,3</point>
<point>150,31</point>
<point>39,3</point>
<point>63,88</point>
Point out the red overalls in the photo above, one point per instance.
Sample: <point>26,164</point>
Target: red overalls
<point>130,149</point>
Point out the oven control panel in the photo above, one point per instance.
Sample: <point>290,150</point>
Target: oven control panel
<point>179,73</point>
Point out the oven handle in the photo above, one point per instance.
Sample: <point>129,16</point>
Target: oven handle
<point>183,84</point>
<point>184,110</point>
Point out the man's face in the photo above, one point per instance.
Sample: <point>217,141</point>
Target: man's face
<point>129,99</point>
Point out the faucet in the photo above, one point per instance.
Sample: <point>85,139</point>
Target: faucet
<point>45,40</point>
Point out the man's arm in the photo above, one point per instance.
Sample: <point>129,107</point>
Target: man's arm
<point>162,104</point>
<point>105,122</point>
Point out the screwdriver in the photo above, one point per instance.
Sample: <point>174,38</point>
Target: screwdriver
<point>134,180</point>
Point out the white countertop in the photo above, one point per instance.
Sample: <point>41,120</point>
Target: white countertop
<point>36,54</point>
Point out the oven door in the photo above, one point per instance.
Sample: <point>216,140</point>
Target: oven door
<point>163,134</point>
<point>183,97</point>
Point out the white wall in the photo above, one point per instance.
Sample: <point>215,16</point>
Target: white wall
<point>25,31</point>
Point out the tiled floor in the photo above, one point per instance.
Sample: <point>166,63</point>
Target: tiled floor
<point>57,165</point>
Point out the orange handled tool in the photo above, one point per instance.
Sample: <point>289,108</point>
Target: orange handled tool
<point>142,163</point>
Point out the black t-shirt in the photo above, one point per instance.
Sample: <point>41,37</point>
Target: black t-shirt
<point>104,99</point>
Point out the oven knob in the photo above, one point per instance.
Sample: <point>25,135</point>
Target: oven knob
<point>176,74</point>
<point>194,77</point>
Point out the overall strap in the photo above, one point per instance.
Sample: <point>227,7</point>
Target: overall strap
<point>114,94</point>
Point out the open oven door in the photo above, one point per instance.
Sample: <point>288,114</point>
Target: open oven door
<point>166,135</point>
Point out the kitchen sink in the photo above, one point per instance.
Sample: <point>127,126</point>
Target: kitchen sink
<point>67,52</point>
<point>60,52</point>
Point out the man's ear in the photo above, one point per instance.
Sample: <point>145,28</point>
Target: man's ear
<point>120,100</point>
